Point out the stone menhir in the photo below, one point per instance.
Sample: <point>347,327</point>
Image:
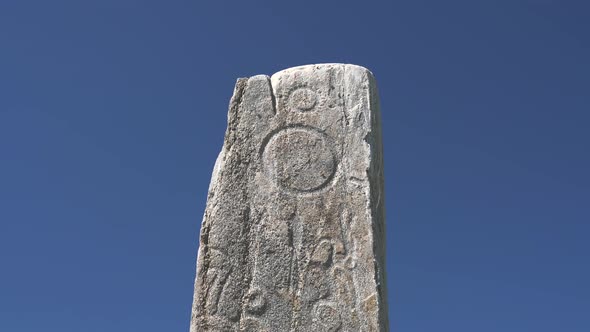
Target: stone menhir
<point>293,233</point>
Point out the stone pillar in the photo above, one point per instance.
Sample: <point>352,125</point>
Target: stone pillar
<point>293,235</point>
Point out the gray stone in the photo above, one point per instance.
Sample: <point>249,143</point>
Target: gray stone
<point>293,233</point>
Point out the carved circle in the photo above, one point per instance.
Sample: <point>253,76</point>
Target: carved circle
<point>303,99</point>
<point>299,159</point>
<point>328,317</point>
<point>255,302</point>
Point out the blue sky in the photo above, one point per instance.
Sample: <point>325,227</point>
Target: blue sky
<point>112,113</point>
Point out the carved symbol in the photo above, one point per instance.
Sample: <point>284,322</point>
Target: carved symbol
<point>328,317</point>
<point>299,159</point>
<point>255,302</point>
<point>303,99</point>
<point>322,253</point>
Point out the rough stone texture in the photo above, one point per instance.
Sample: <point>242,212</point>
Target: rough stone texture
<point>293,233</point>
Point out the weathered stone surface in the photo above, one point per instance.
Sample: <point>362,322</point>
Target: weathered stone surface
<point>293,233</point>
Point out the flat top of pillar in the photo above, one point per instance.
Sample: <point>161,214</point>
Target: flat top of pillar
<point>320,66</point>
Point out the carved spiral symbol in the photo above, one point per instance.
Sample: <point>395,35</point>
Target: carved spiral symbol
<point>303,99</point>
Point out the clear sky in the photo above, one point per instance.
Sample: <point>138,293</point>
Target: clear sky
<point>112,113</point>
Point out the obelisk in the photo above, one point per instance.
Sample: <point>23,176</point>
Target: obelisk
<point>293,235</point>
